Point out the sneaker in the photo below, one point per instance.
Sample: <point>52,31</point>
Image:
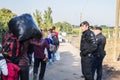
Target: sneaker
<point>50,61</point>
<point>41,79</point>
<point>34,76</point>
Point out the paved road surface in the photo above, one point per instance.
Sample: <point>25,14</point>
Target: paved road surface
<point>68,68</point>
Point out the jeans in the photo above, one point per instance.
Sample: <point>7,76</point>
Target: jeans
<point>49,54</point>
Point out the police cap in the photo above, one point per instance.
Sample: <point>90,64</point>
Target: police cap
<point>98,28</point>
<point>84,23</point>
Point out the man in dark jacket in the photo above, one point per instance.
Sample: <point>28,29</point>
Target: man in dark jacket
<point>99,53</point>
<point>87,47</point>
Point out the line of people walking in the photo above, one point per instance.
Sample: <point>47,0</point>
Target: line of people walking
<point>15,55</point>
<point>92,51</point>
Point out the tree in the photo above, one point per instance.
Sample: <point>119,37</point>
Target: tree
<point>103,26</point>
<point>67,27</point>
<point>5,16</point>
<point>38,17</point>
<point>95,25</point>
<point>64,27</point>
<point>59,26</point>
<point>48,21</point>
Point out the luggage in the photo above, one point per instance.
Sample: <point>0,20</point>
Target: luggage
<point>55,39</point>
<point>52,48</point>
<point>24,27</point>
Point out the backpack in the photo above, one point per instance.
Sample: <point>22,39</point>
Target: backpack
<point>52,48</point>
<point>55,40</point>
<point>11,49</point>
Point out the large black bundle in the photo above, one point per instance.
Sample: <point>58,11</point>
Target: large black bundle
<point>24,27</point>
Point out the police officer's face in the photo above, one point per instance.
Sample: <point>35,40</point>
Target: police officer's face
<point>84,28</point>
<point>97,32</point>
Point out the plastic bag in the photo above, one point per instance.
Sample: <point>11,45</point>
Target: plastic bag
<point>57,55</point>
<point>24,27</point>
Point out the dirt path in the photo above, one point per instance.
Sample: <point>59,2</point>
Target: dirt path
<point>68,68</point>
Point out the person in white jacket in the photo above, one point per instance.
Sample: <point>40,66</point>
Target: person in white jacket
<point>3,64</point>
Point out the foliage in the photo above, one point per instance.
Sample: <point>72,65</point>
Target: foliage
<point>5,16</point>
<point>76,31</point>
<point>95,25</point>
<point>48,21</point>
<point>64,27</point>
<point>107,31</point>
<point>103,26</point>
<point>38,17</point>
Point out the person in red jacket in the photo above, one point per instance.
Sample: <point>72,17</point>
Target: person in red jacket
<point>13,70</point>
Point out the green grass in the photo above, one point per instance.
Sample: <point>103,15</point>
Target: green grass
<point>108,32</point>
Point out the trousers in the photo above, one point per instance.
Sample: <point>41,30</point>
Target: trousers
<point>37,62</point>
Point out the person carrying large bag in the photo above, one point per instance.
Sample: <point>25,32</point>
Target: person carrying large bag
<point>24,29</point>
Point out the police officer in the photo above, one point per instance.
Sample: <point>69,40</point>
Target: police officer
<point>87,47</point>
<point>99,53</point>
<point>91,28</point>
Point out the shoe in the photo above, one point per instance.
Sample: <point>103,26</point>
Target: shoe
<point>34,76</point>
<point>50,62</point>
<point>42,79</point>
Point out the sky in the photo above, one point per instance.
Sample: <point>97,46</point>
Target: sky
<point>96,12</point>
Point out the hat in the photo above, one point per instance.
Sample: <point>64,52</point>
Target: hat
<point>91,27</point>
<point>98,28</point>
<point>84,23</point>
